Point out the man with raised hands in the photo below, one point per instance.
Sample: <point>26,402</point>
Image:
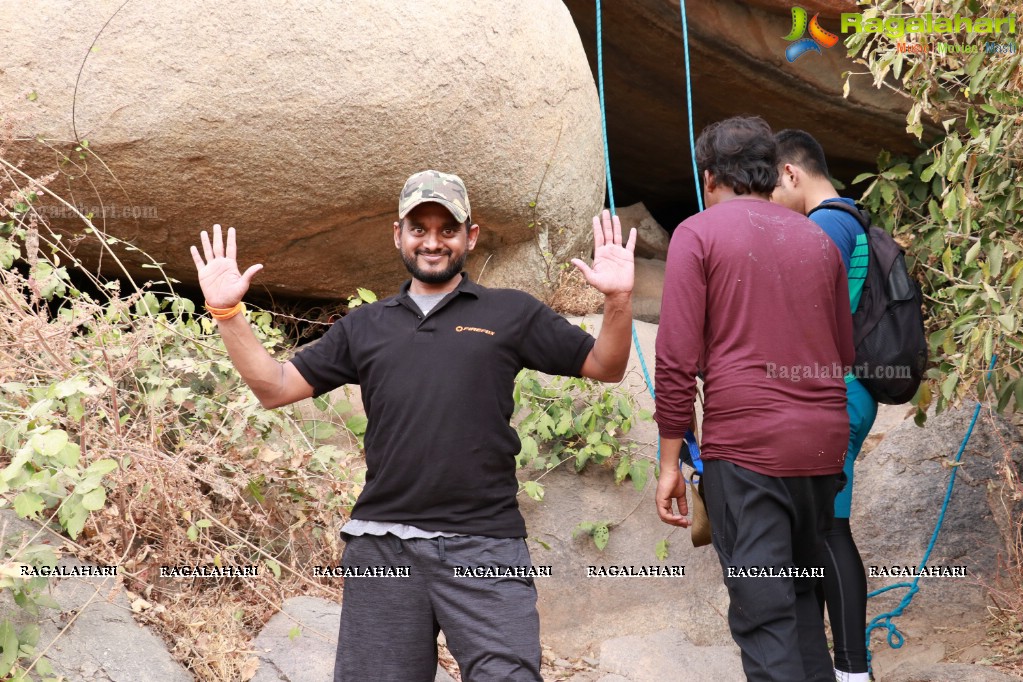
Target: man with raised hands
<point>436,364</point>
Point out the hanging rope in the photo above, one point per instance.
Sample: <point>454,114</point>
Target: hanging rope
<point>689,102</point>
<point>603,117</point>
<point>693,448</point>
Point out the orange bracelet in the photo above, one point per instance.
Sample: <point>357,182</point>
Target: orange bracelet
<point>225,313</point>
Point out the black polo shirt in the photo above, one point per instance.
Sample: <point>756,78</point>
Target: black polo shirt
<point>437,390</point>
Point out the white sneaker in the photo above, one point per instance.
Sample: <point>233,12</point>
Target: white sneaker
<point>842,676</point>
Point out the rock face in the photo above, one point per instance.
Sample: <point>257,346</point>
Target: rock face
<point>897,497</point>
<point>738,67</point>
<point>298,123</point>
<point>92,637</point>
<point>309,657</point>
<point>578,613</point>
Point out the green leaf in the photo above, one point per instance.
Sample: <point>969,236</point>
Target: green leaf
<point>622,470</point>
<point>274,567</point>
<point>73,516</point>
<point>94,475</point>
<point>971,255</point>
<point>28,504</point>
<point>94,499</point>
<point>948,385</point>
<point>946,263</point>
<point>193,533</point>
<point>366,295</point>
<point>661,550</point>
<point>534,490</point>
<point>600,536</point>
<point>357,424</point>
<point>638,472</point>
<point>43,667</point>
<point>994,259</point>
<point>862,177</point>
<point>9,643</point>
<point>50,443</point>
<point>69,455</point>
<point>318,430</point>
<point>294,633</point>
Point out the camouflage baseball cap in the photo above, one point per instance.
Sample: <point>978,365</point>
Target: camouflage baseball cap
<point>443,188</point>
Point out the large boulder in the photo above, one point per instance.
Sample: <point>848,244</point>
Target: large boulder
<point>738,67</point>
<point>297,123</point>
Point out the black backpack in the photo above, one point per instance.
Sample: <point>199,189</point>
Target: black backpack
<point>888,325</point>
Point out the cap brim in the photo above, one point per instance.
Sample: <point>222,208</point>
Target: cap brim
<point>453,209</point>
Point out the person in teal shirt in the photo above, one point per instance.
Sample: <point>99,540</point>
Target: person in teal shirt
<point>804,185</point>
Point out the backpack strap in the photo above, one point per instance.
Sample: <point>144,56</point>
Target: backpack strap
<point>861,216</point>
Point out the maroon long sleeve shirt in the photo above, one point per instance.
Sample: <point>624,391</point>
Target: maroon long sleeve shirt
<point>756,298</point>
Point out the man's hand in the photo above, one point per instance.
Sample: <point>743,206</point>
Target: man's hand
<point>222,283</point>
<point>613,264</point>
<point>671,486</point>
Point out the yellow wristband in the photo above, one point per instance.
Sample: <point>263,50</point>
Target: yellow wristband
<point>225,313</point>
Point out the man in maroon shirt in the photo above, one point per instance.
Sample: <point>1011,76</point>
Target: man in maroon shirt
<point>756,301</point>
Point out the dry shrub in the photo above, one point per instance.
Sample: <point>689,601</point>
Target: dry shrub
<point>573,296</point>
<point>193,471</point>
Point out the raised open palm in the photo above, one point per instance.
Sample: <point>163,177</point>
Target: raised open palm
<point>613,269</point>
<point>222,283</point>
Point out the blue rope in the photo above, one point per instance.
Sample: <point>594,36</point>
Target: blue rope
<point>689,102</point>
<point>896,638</point>
<point>693,448</point>
<point>603,115</point>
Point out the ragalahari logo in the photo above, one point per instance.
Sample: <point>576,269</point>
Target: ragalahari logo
<point>818,36</point>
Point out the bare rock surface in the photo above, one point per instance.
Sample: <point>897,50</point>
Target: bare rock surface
<point>93,636</point>
<point>737,67</point>
<point>900,487</point>
<point>297,123</point>
<point>665,655</point>
<point>651,238</point>
<point>307,656</point>
<point>951,672</point>
<point>646,293</point>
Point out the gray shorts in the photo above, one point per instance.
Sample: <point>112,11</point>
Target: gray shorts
<point>389,625</point>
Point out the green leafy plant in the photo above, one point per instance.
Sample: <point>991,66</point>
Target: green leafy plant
<point>564,419</point>
<point>125,427</point>
<point>599,531</point>
<point>956,206</point>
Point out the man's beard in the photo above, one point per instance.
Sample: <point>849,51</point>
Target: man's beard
<point>454,267</point>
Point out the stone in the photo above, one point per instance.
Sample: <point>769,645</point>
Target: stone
<point>310,656</point>
<point>647,289</point>
<point>102,641</point>
<point>661,655</point>
<point>298,124</point>
<point>651,239</point>
<point>578,613</point>
<point>898,494</point>
<point>738,67</point>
